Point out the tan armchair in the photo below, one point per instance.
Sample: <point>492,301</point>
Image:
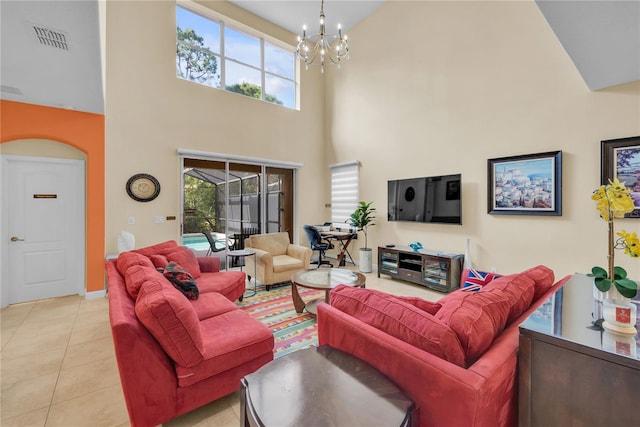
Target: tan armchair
<point>276,259</point>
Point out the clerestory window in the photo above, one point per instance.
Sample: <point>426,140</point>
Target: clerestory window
<point>214,51</point>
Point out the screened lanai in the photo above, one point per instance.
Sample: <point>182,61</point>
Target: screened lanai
<point>227,201</point>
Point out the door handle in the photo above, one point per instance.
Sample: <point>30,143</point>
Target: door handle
<point>15,239</point>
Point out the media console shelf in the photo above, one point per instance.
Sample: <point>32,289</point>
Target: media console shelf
<point>436,270</point>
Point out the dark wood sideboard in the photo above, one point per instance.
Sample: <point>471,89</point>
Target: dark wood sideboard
<point>572,373</point>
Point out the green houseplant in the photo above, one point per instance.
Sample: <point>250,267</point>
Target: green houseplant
<point>362,218</point>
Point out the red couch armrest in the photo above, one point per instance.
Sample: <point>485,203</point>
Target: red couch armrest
<point>209,264</point>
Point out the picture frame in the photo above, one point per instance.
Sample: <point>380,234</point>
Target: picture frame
<point>620,158</point>
<point>453,190</point>
<point>528,184</point>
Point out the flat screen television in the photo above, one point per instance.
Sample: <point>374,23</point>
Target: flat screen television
<point>432,199</point>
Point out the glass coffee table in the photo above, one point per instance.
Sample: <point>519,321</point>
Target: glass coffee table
<point>322,279</point>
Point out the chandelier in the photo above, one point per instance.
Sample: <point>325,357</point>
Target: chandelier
<point>333,48</point>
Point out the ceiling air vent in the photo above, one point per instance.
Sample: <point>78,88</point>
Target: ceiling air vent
<point>51,38</point>
<point>10,89</point>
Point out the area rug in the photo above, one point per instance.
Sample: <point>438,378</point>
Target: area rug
<point>274,308</point>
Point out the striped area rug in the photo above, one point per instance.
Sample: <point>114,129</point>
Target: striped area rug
<point>292,331</point>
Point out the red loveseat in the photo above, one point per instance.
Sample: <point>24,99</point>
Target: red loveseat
<point>174,354</point>
<point>457,358</point>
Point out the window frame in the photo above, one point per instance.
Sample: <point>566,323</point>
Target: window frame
<point>224,22</point>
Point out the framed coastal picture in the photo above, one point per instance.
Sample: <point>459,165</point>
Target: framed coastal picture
<point>621,159</point>
<point>525,185</point>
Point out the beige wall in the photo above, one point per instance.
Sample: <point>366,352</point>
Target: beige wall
<point>150,114</point>
<point>440,87</point>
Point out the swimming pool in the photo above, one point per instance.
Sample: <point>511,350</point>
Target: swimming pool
<point>198,242</point>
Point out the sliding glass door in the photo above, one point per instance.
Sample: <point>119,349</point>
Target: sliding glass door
<point>279,200</point>
<point>233,200</point>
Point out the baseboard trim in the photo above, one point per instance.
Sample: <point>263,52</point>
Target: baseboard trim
<point>95,294</point>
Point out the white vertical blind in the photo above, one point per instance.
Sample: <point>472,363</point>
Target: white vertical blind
<point>344,191</point>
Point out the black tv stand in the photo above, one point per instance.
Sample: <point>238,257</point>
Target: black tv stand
<point>440,271</point>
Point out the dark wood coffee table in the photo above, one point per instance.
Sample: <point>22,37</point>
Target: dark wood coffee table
<point>322,279</point>
<point>322,387</point>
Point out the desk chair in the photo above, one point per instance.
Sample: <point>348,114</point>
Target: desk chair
<point>315,240</point>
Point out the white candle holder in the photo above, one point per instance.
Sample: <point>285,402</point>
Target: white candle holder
<point>619,316</point>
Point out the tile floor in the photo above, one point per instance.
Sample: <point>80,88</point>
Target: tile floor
<point>58,366</point>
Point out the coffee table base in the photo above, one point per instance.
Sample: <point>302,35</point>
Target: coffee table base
<point>299,303</point>
<point>298,279</point>
<point>336,387</point>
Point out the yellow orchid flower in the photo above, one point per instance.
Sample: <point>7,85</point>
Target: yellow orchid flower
<point>613,200</point>
<point>630,242</point>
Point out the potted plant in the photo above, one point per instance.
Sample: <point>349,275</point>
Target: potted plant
<point>362,218</point>
<point>613,288</point>
<point>614,201</point>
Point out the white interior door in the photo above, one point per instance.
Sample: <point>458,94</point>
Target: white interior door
<point>43,228</point>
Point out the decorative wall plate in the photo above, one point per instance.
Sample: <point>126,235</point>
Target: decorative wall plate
<point>143,187</point>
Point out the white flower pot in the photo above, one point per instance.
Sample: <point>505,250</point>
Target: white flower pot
<point>598,298</point>
<point>365,261</point>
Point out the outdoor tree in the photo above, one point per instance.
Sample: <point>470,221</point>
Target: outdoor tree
<point>193,60</point>
<point>199,205</point>
<point>253,91</point>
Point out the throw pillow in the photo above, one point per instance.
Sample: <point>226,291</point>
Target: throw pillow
<point>172,321</point>
<point>159,248</point>
<point>399,319</point>
<point>127,259</point>
<point>518,289</point>
<point>160,261</point>
<point>543,276</point>
<point>186,258</point>
<point>474,280</point>
<point>137,275</point>
<point>476,318</point>
<point>182,280</point>
<point>422,304</point>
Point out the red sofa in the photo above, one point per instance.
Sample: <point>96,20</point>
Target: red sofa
<point>175,354</point>
<point>456,358</point>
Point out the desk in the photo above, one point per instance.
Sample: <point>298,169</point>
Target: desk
<point>322,387</point>
<point>344,238</point>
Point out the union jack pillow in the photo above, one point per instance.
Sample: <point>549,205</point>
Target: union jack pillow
<point>474,280</point>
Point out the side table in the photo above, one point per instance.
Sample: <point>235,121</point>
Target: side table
<point>322,387</point>
<point>242,253</point>
<point>572,373</point>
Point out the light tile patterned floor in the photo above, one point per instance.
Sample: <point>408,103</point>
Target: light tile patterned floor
<point>58,366</point>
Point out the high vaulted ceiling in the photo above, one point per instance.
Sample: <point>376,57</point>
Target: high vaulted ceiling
<point>293,14</point>
<point>50,49</point>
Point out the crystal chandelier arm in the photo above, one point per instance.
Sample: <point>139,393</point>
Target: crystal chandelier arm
<point>309,47</point>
